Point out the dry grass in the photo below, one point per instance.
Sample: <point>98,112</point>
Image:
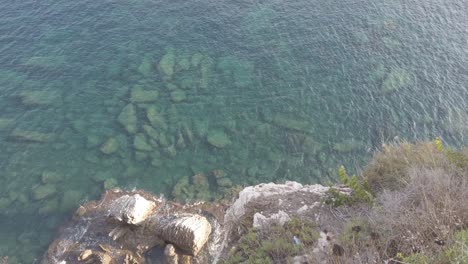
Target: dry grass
<point>423,215</point>
<point>421,201</point>
<point>388,168</point>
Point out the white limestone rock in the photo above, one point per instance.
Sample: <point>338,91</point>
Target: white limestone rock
<point>265,190</point>
<point>131,209</point>
<point>260,221</point>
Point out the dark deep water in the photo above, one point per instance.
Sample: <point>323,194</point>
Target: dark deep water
<point>146,94</point>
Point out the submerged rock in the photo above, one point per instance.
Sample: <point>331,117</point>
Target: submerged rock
<point>93,140</point>
<point>178,96</point>
<point>51,177</point>
<point>206,69</point>
<point>164,140</point>
<point>171,87</point>
<point>187,133</point>
<point>151,132</point>
<point>218,138</point>
<point>146,67</point>
<point>397,78</point>
<point>46,61</point>
<point>349,145</point>
<point>43,191</point>
<point>196,59</point>
<point>171,151</point>
<point>155,118</point>
<point>202,186</point>
<point>183,63</point>
<point>288,122</point>
<point>140,142</point>
<point>128,118</point>
<point>167,63</point>
<point>32,136</point>
<point>138,95</point>
<point>201,128</point>
<point>40,98</point>
<point>188,81</point>
<point>110,146</point>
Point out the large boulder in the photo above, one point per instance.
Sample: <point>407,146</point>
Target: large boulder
<point>189,232</point>
<point>132,210</point>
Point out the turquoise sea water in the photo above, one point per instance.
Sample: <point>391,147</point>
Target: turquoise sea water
<point>147,94</point>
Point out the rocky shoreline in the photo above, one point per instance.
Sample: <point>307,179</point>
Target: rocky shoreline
<point>122,227</point>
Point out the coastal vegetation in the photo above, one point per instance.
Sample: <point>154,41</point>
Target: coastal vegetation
<point>409,205</point>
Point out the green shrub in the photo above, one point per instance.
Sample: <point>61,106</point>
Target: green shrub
<point>360,191</point>
<point>457,251</point>
<point>388,168</point>
<point>416,258</point>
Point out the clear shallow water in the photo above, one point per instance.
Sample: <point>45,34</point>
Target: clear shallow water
<point>263,90</point>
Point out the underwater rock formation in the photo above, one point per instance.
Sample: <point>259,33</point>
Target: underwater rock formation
<point>110,146</point>
<point>146,67</point>
<point>155,118</point>
<point>31,136</point>
<point>178,96</point>
<point>40,98</point>
<point>218,139</point>
<point>397,79</point>
<point>138,95</point>
<point>140,142</point>
<point>292,123</point>
<point>128,118</point>
<point>167,63</point>
<point>43,191</point>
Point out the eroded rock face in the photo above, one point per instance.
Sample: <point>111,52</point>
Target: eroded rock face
<point>123,226</point>
<point>260,221</point>
<point>266,191</point>
<point>271,203</point>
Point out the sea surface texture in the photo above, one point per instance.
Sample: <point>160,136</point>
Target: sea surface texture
<point>192,99</point>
